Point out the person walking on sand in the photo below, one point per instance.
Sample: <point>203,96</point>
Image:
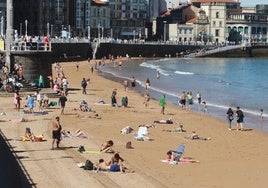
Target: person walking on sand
<point>62,102</point>
<point>146,99</point>
<point>56,132</point>
<point>77,65</point>
<point>240,119</point>
<point>133,82</point>
<point>84,86</point>
<point>147,84</point>
<point>30,103</point>
<point>17,100</point>
<point>162,103</point>
<point>230,117</point>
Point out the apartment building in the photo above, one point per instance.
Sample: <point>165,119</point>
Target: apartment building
<point>128,18</point>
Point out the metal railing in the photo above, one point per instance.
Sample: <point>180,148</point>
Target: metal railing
<point>30,46</point>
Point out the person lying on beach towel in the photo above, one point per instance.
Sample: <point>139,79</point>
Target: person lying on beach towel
<point>78,133</point>
<point>195,136</point>
<point>17,120</point>
<point>107,147</point>
<point>101,102</point>
<point>179,129</point>
<point>168,121</point>
<point>147,125</point>
<point>95,116</point>
<point>174,158</point>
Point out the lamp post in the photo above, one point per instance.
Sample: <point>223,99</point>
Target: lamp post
<point>102,30</point>
<point>88,32</point>
<point>69,28</point>
<point>20,29</point>
<point>26,24</point>
<point>134,33</point>
<point>2,26</point>
<point>51,30</point>
<point>47,28</point>
<point>99,32</point>
<point>165,30</point>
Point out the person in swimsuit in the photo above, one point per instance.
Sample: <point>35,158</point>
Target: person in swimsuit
<point>107,147</point>
<point>56,132</point>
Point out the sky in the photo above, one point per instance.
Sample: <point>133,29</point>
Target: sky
<point>252,3</point>
<point>243,3</point>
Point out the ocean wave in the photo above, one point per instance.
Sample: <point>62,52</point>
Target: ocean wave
<point>183,73</point>
<point>155,67</point>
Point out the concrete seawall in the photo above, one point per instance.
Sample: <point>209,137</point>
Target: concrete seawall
<point>144,50</point>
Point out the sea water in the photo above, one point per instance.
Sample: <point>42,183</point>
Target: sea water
<point>222,82</point>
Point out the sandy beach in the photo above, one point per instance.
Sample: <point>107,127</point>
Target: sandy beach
<point>229,159</point>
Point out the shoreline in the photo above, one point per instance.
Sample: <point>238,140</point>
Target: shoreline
<point>216,111</point>
<point>236,156</point>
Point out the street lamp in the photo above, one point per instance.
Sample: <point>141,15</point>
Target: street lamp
<point>69,28</point>
<point>26,23</point>
<point>20,29</point>
<point>134,33</point>
<point>165,30</point>
<point>51,30</point>
<point>99,31</point>
<point>47,28</point>
<point>2,26</point>
<point>88,32</point>
<point>102,30</point>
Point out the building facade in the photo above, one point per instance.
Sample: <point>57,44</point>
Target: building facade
<point>41,17</point>
<point>100,19</point>
<point>128,18</point>
<point>252,26</point>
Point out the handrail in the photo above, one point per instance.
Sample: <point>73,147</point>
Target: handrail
<point>30,46</point>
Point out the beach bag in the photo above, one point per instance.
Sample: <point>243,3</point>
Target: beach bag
<point>88,165</point>
<point>129,145</point>
<point>81,149</point>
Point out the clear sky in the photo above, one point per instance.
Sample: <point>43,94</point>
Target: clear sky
<point>252,3</point>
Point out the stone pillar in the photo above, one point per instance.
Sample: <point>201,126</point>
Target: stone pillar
<point>9,32</point>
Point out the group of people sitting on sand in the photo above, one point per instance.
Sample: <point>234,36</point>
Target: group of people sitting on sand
<point>115,164</point>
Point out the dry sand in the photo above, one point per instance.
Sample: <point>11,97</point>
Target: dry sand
<point>229,159</point>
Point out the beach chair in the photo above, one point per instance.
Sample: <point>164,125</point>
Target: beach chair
<point>142,134</point>
<point>179,152</point>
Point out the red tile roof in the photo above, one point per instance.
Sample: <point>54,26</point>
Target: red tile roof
<point>193,20</point>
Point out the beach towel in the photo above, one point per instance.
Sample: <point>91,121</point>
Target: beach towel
<point>142,133</point>
<point>35,113</point>
<point>92,152</point>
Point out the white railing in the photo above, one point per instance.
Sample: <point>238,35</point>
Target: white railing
<point>30,46</point>
<point>203,52</point>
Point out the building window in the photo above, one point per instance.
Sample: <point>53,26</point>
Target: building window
<point>217,14</point>
<point>214,23</point>
<point>217,32</point>
<point>246,30</point>
<point>220,23</point>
